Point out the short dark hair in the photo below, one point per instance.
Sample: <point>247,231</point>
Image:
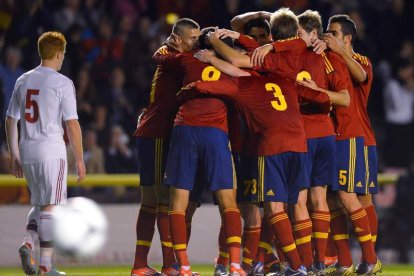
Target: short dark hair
<point>202,38</point>
<point>184,23</point>
<point>284,24</point>
<point>311,20</point>
<point>348,26</point>
<point>257,23</point>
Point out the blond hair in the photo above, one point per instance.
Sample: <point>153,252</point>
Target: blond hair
<point>311,20</point>
<point>284,24</point>
<point>50,43</point>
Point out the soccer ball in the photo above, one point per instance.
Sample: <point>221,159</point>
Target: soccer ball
<point>80,227</point>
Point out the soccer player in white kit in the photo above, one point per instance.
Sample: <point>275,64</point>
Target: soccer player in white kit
<point>41,100</point>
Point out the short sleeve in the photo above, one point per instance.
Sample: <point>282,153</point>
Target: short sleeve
<point>68,103</point>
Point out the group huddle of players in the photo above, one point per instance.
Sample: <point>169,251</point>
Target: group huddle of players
<point>271,114</point>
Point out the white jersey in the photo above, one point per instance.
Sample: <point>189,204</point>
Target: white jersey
<point>41,99</point>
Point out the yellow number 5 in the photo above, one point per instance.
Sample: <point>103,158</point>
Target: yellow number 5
<point>280,104</point>
<point>342,177</point>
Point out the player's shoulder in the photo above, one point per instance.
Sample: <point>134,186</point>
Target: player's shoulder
<point>364,60</point>
<point>165,50</point>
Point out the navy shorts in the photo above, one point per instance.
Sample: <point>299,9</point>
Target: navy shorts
<point>152,157</point>
<point>204,150</point>
<point>371,159</point>
<point>274,178</point>
<point>351,166</point>
<point>321,161</point>
<point>247,179</point>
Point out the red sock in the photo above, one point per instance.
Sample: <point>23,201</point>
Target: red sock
<point>179,236</point>
<point>320,231</point>
<point>232,228</point>
<point>360,224</point>
<point>302,231</point>
<point>339,231</point>
<point>250,243</point>
<point>373,222</point>
<point>283,231</point>
<point>279,251</point>
<point>145,231</point>
<point>266,237</point>
<point>163,223</point>
<point>223,257</point>
<point>330,247</point>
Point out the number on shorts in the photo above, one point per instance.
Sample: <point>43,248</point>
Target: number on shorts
<point>342,177</point>
<point>251,187</point>
<point>32,108</point>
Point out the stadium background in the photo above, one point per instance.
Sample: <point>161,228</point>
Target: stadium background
<point>110,44</point>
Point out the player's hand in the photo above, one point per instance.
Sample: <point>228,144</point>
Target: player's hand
<point>319,46</point>
<point>213,36</point>
<point>332,42</point>
<point>205,55</point>
<point>223,33</point>
<point>80,166</point>
<point>258,55</point>
<point>265,15</point>
<point>16,167</point>
<point>172,41</point>
<point>308,83</point>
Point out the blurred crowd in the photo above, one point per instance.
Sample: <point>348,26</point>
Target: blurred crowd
<point>108,56</point>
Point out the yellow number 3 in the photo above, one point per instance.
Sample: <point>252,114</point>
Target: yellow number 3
<point>210,73</point>
<point>280,104</point>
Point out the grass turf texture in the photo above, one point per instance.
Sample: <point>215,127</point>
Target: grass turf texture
<point>391,270</point>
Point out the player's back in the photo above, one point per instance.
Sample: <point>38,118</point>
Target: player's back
<point>347,119</point>
<point>43,96</point>
<point>362,91</point>
<point>317,122</point>
<point>157,120</point>
<point>271,108</point>
<point>206,112</point>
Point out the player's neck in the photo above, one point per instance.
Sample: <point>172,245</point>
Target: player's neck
<point>349,50</point>
<point>49,63</point>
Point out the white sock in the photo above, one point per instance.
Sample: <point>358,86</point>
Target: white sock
<point>46,237</point>
<point>32,226</point>
<point>236,265</point>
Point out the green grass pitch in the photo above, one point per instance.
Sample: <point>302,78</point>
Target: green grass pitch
<point>391,270</point>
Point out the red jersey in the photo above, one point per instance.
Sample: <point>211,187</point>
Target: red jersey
<point>237,133</point>
<point>157,121</point>
<point>247,42</point>
<point>205,112</point>
<point>284,63</point>
<point>346,119</point>
<point>271,109</point>
<point>292,59</point>
<point>362,91</point>
<point>317,121</point>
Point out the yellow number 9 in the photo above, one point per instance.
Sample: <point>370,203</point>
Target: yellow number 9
<point>303,75</point>
<point>210,73</point>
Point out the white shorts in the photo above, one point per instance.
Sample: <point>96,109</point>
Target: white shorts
<point>47,181</point>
